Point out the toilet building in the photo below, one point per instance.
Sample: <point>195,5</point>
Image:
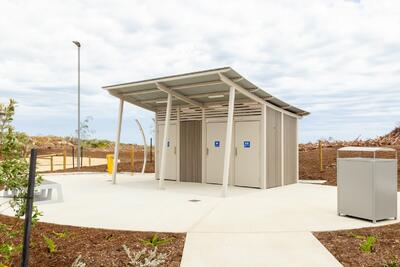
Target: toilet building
<point>216,127</point>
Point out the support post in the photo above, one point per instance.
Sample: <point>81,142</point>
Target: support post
<point>65,158</point>
<point>117,139</point>
<point>151,149</point>
<point>164,144</point>
<point>264,147</point>
<point>228,142</point>
<point>321,165</point>
<point>178,144</point>
<point>282,151</point>
<point>73,157</point>
<point>144,146</point>
<point>297,150</point>
<point>203,146</point>
<point>51,164</point>
<point>133,159</point>
<point>29,206</point>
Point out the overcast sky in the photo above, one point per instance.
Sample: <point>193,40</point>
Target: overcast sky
<point>340,60</point>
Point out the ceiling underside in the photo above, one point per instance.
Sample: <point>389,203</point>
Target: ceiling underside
<point>204,88</point>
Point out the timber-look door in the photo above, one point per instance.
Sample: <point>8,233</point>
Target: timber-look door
<point>190,151</point>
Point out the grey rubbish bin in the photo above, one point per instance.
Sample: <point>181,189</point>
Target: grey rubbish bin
<point>367,187</point>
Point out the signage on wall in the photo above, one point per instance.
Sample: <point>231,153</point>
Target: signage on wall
<point>217,143</point>
<point>246,144</point>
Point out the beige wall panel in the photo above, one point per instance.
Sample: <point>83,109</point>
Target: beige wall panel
<point>273,148</point>
<point>290,150</point>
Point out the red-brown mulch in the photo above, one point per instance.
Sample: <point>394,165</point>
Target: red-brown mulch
<point>97,247</point>
<point>309,165</point>
<point>346,247</point>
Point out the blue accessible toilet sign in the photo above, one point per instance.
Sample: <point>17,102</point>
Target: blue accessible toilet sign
<point>217,143</point>
<point>246,144</point>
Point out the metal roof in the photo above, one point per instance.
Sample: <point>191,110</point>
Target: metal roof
<point>201,88</point>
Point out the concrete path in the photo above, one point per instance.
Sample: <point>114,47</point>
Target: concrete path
<point>250,227</point>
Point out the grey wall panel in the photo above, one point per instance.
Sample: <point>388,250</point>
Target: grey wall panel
<point>190,151</point>
<point>273,148</point>
<point>290,149</point>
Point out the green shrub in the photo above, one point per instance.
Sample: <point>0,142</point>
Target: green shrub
<point>51,245</point>
<point>368,244</point>
<point>155,241</point>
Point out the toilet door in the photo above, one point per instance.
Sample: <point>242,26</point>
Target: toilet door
<point>216,132</point>
<point>247,153</point>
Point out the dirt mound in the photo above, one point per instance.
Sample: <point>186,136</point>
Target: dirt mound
<point>390,139</point>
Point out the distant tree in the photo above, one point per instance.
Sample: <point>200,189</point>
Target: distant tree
<point>86,131</point>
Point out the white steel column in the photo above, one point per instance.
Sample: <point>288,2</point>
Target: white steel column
<point>228,142</point>
<point>203,146</point>
<point>164,144</point>
<point>282,151</point>
<point>178,143</point>
<point>144,145</point>
<point>263,147</point>
<point>297,150</point>
<point>117,139</point>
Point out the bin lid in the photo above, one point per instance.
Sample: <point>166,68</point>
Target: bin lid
<point>366,149</point>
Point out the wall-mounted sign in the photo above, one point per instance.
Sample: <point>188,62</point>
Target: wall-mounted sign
<point>246,144</point>
<point>217,143</point>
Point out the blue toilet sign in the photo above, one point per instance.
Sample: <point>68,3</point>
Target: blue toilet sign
<point>246,144</point>
<point>217,143</point>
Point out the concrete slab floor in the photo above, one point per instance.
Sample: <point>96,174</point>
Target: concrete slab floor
<point>249,222</point>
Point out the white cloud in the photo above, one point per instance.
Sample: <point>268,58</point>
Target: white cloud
<point>338,59</point>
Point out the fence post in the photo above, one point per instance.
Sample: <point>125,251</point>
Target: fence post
<point>90,161</point>
<point>133,159</point>
<point>81,156</point>
<point>73,157</point>
<point>151,149</point>
<point>65,158</point>
<point>321,166</point>
<point>28,211</point>
<point>51,163</point>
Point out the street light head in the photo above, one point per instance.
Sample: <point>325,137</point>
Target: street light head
<point>77,43</point>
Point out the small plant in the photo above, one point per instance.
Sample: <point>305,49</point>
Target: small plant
<point>78,262</point>
<point>64,234</point>
<point>391,263</point>
<point>368,244</point>
<point>51,245</point>
<point>155,241</point>
<point>144,257</point>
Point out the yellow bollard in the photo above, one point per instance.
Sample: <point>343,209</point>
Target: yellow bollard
<point>133,159</point>
<point>65,158</point>
<point>110,163</point>
<point>321,166</point>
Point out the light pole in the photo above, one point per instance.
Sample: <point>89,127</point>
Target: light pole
<point>79,105</point>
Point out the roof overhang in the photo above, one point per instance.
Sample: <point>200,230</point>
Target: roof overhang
<point>201,89</point>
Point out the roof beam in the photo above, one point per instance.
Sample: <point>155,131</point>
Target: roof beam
<point>178,95</point>
<point>210,94</point>
<point>141,92</point>
<point>253,96</point>
<point>240,89</point>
